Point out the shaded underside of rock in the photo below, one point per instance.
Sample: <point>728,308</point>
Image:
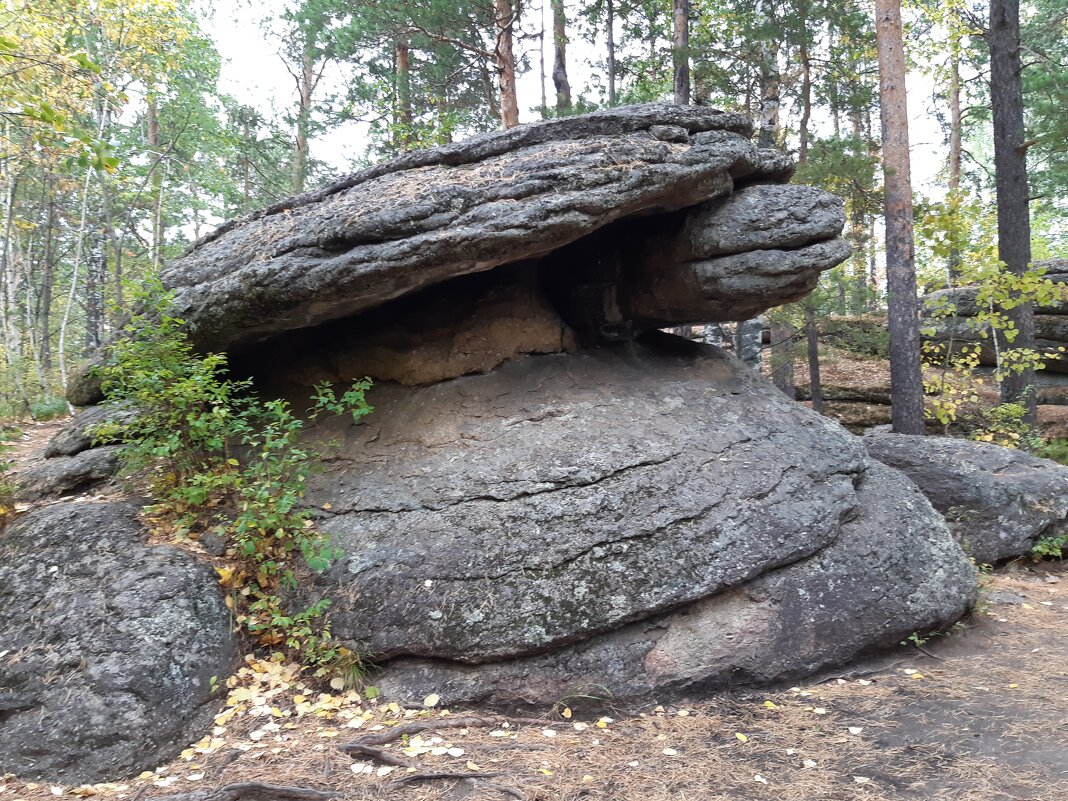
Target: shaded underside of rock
<point>998,501</point>
<point>107,645</point>
<point>893,570</point>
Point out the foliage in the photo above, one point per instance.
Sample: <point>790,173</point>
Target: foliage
<point>959,232</point>
<point>1055,449</point>
<point>221,461</point>
<point>7,486</point>
<point>1050,547</point>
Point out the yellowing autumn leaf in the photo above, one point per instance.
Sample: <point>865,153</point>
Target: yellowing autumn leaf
<point>431,700</point>
<point>566,714</point>
<point>741,737</point>
<point>770,705</point>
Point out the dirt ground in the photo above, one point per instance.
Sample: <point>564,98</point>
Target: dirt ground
<point>977,714</point>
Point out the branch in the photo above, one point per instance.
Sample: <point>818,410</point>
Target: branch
<point>440,37</point>
<point>234,792</point>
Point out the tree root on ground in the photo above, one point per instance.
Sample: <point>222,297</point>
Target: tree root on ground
<point>236,792</point>
<point>369,745</point>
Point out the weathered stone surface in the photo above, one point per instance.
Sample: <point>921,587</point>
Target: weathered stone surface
<point>62,475</point>
<point>466,208</point>
<point>893,569</point>
<point>1051,322</point>
<point>643,182</point>
<point>998,501</point>
<point>492,518</point>
<point>75,436</point>
<point>107,645</point>
<point>765,217</point>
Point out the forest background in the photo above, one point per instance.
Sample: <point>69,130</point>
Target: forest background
<point>123,138</point>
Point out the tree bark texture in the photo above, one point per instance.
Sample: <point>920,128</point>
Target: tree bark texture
<point>680,50</point>
<point>504,18</point>
<point>906,378</point>
<point>563,88</point>
<point>812,340</point>
<point>305,87</point>
<point>1010,171</point>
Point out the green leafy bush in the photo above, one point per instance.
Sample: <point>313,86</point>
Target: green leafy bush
<point>49,408</point>
<point>1050,547</point>
<point>220,460</point>
<point>1055,449</point>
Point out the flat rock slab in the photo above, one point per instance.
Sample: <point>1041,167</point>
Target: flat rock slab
<point>107,645</point>
<point>999,502</point>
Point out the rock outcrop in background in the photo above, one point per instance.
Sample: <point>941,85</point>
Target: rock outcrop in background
<point>1051,322</point>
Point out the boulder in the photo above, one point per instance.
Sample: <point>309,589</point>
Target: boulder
<point>548,476</point>
<point>107,645</point>
<point>566,500</point>
<point>998,501</point>
<point>892,571</point>
<point>64,475</point>
<point>76,435</point>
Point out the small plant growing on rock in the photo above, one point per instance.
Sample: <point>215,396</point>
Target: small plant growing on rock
<point>221,461</point>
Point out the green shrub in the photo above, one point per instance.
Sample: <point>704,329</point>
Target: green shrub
<point>49,408</point>
<point>1055,449</point>
<point>220,460</point>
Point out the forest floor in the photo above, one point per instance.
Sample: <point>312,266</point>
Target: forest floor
<point>977,714</point>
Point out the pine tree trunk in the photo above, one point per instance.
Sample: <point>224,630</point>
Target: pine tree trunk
<point>906,379</point>
<point>1010,171</point>
<point>44,318</point>
<point>155,148</point>
<point>541,61</point>
<point>680,51</point>
<point>305,87</point>
<point>563,88</point>
<point>782,359</point>
<point>403,119</point>
<point>504,18</point>
<point>806,104</point>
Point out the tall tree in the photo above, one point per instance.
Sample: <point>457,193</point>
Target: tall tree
<point>680,50</point>
<point>504,17</point>
<point>1010,170</point>
<point>906,379</point>
<point>563,88</point>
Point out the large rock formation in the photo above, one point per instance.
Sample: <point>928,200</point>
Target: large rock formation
<point>998,502</point>
<point>624,220</point>
<point>107,645</point>
<point>1051,322</point>
<point>552,494</point>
